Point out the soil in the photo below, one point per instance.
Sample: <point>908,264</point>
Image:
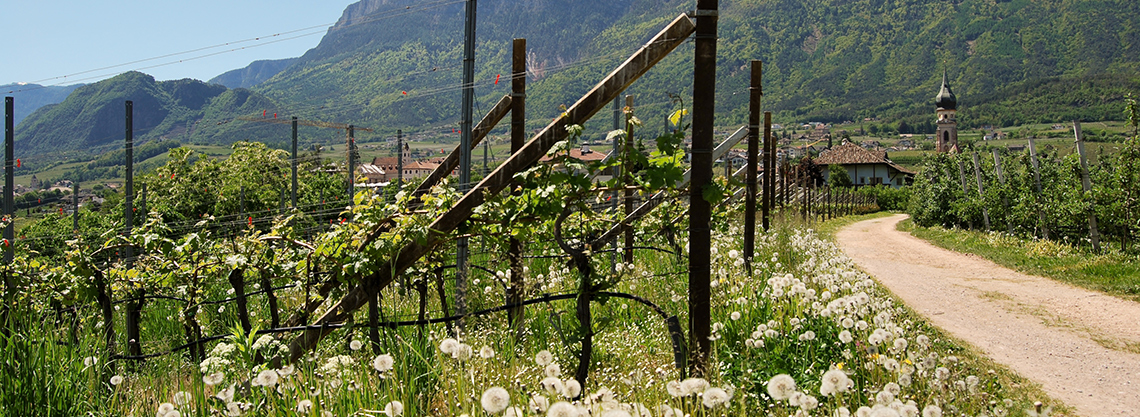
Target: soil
<point>1081,346</point>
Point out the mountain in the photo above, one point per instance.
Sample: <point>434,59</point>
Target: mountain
<point>395,64</point>
<point>92,119</point>
<point>30,97</point>
<point>829,60</point>
<point>254,74</point>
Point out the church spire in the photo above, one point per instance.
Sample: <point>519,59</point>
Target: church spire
<point>945,98</point>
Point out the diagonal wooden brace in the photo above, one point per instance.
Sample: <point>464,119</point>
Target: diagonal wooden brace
<point>601,95</point>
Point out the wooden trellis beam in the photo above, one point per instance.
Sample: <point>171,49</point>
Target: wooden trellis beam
<point>601,95</point>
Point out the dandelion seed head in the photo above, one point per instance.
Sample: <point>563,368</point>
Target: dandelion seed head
<point>383,363</point>
<point>448,345</point>
<point>304,406</point>
<point>495,399</point>
<point>781,387</point>
<point>355,345</point>
<point>394,408</point>
<point>552,385</point>
<point>552,370</point>
<point>486,352</point>
<point>694,386</point>
<point>562,409</point>
<point>543,358</point>
<point>931,411</point>
<point>266,378</point>
<point>116,380</point>
<point>214,378</point>
<point>571,389</point>
<point>714,396</point>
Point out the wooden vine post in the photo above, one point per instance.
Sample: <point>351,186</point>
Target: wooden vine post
<point>769,171</point>
<point>1086,185</point>
<point>440,231</point>
<point>965,190</point>
<point>1004,199</point>
<point>981,191</point>
<point>518,139</point>
<point>755,93</point>
<point>700,237</point>
<point>1037,182</point>
<point>627,179</point>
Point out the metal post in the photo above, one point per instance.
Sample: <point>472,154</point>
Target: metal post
<point>769,171</point>
<point>399,158</point>
<point>981,191</point>
<point>351,163</point>
<point>142,200</point>
<point>128,206</point>
<point>241,201</point>
<point>518,139</point>
<point>9,181</point>
<point>754,96</point>
<point>704,102</point>
<point>293,193</point>
<point>465,152</point>
<point>1086,185</point>
<point>627,200</point>
<point>1037,182</point>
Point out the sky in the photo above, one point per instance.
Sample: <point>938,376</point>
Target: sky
<point>63,42</point>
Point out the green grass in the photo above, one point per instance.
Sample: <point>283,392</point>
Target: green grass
<point>1112,272</point>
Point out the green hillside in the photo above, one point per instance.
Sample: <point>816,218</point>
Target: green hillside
<point>395,64</point>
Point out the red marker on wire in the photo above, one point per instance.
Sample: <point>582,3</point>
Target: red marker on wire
<point>497,79</point>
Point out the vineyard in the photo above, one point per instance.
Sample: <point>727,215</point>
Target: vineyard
<point>216,294</point>
<point>1084,200</point>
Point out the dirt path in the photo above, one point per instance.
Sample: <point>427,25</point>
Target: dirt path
<point>1078,344</point>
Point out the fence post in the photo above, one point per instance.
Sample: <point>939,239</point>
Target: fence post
<point>965,191</point>
<point>374,323</point>
<point>755,94</point>
<point>400,158</point>
<point>1086,184</point>
<point>9,184</point>
<point>769,171</point>
<point>237,281</point>
<point>518,139</point>
<point>1037,182</point>
<point>1004,199</point>
<point>981,191</point>
<point>271,297</point>
<point>104,298</point>
<point>704,101</point>
<point>293,164</point>
<point>627,175</point>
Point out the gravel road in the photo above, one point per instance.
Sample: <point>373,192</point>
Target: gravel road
<point>1076,343</point>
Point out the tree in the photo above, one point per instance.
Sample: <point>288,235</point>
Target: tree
<point>837,176</point>
<point>904,128</point>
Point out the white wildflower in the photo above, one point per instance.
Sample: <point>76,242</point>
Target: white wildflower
<point>304,406</point>
<point>571,388</point>
<point>781,387</point>
<point>266,378</point>
<point>714,397</point>
<point>214,378</point>
<point>543,358</point>
<point>383,363</point>
<point>394,408</point>
<point>495,399</point>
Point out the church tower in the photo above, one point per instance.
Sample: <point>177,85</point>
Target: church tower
<point>946,136</point>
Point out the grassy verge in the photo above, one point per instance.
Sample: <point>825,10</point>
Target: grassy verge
<point>1112,272</point>
<point>970,357</point>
